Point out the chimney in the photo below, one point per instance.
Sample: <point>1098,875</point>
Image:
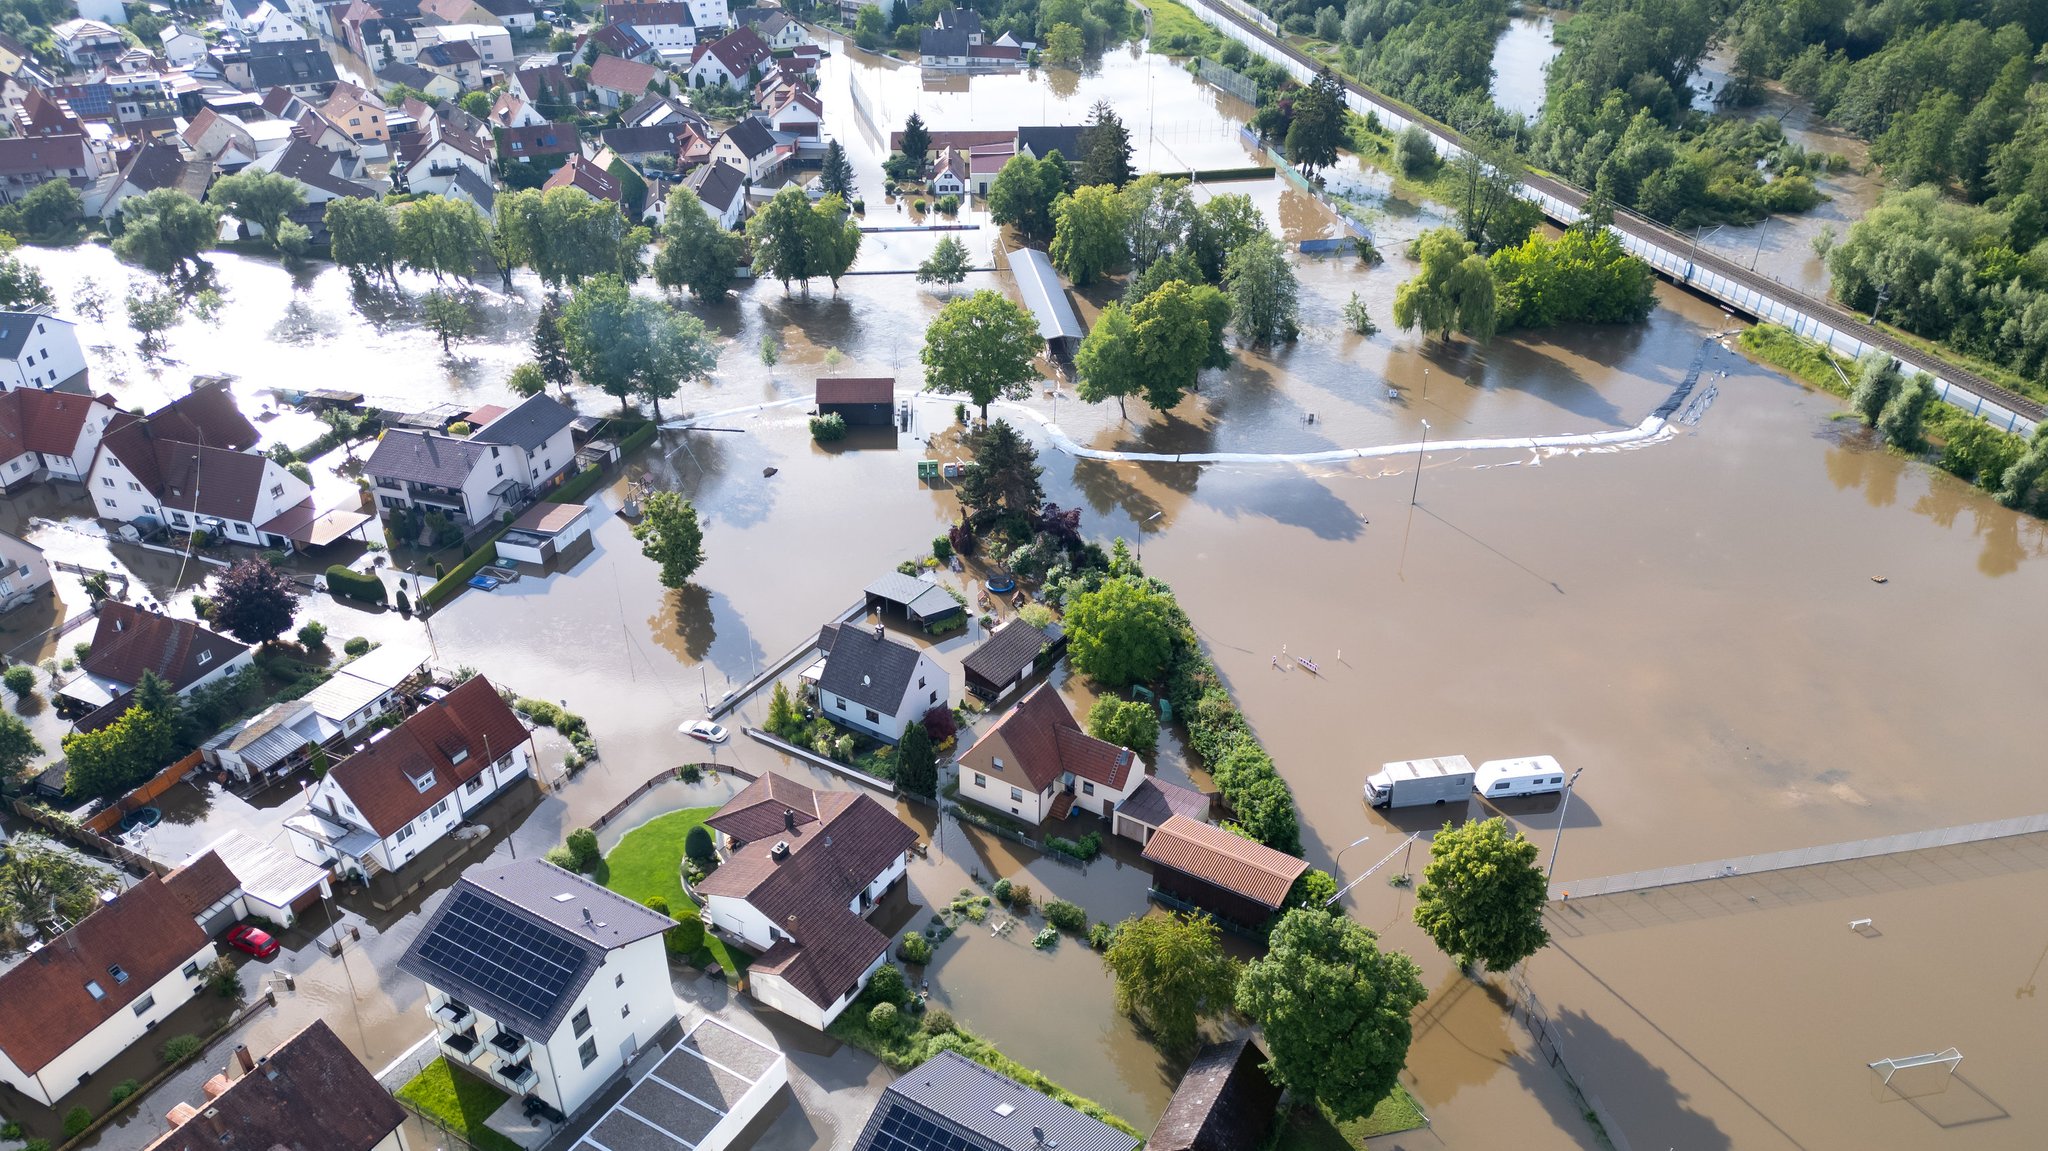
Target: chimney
<point>788,819</point>
<point>879,631</point>
<point>780,851</point>
<point>242,1057</point>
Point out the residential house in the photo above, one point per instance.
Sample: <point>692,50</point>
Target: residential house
<point>550,88</point>
<point>802,869</point>
<point>955,50</point>
<point>475,480</point>
<point>541,981</point>
<point>181,47</point>
<point>128,641</point>
<point>752,148</point>
<point>39,350</point>
<point>670,27</point>
<point>387,42</point>
<point>1225,1101</point>
<point>281,738</point>
<point>83,43</point>
<point>267,22</point>
<point>984,163</point>
<point>723,190</point>
<point>299,66</point>
<point>1204,866</point>
<point>445,12</point>
<point>492,43</point>
<point>515,15</point>
<point>23,572</point>
<point>618,40</point>
<point>543,144</point>
<point>89,994</point>
<point>228,142</point>
<point>730,60</point>
<point>636,146</point>
<point>14,54</point>
<point>774,27</point>
<point>311,1082</point>
<point>316,129</point>
<point>434,163</point>
<point>187,465</point>
<point>1011,654</point>
<point>702,1096</point>
<point>320,174</point>
<point>668,111</point>
<point>862,401</point>
<point>357,112</point>
<point>1038,142</point>
<point>457,60</point>
<point>953,1102</point>
<point>546,530</point>
<point>950,173</point>
<point>615,81</point>
<point>434,85</point>
<point>1036,764</point>
<point>240,877</point>
<point>51,434</point>
<point>587,177</point>
<point>792,109</point>
<point>1154,801</point>
<point>147,168</point>
<point>876,684</point>
<point>28,162</point>
<point>512,109</point>
<point>44,114</point>
<point>378,809</point>
<point>965,21</point>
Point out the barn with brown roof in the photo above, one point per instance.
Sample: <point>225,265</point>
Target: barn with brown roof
<point>802,870</point>
<point>1225,1102</point>
<point>862,401</point>
<point>1220,872</point>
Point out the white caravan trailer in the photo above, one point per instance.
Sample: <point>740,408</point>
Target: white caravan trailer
<point>1529,775</point>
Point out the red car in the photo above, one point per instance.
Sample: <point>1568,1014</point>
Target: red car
<point>252,940</point>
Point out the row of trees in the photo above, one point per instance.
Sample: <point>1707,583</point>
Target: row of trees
<point>1584,276</point>
<point>434,235</point>
<point>1024,194</point>
<point>1334,1009</point>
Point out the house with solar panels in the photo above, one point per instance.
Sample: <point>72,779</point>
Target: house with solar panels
<point>952,1103</point>
<point>541,982</point>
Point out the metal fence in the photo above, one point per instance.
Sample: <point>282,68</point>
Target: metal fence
<point>1229,80</point>
<point>1549,1047</point>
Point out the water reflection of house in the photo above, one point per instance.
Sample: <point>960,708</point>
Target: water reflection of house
<point>952,1102</point>
<point>802,869</point>
<point>1204,866</point>
<point>381,807</point>
<point>876,684</point>
<point>1036,764</point>
<point>311,1082</point>
<point>541,981</point>
<point>283,736</point>
<point>84,997</point>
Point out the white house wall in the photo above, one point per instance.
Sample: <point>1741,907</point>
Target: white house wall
<point>113,1036</point>
<point>49,357</point>
<point>630,999</point>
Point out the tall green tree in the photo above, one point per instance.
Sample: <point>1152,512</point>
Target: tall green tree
<point>1126,723</point>
<point>1160,213</point>
<point>1088,238</point>
<point>1454,290</point>
<point>696,253</point>
<point>1179,331</point>
<point>1004,479</point>
<point>1107,361</point>
<point>44,885</point>
<point>117,757</point>
<point>565,236</point>
<point>448,316</point>
<point>1105,149</point>
<point>1121,633</point>
<point>152,312</point>
<point>165,230</point>
<point>19,748</point>
<point>1170,973</point>
<point>1317,129</point>
<point>1491,210</point>
<point>834,238</point>
<point>1064,45</point>
<point>1220,226</point>
<point>796,240</point>
<point>263,199</point>
<point>21,287</point>
<point>550,351</point>
<point>837,175</point>
<point>670,535</point>
<point>948,263</point>
<point>253,602</point>
<point>442,237</point>
<point>1334,1010</point>
<point>1263,294</point>
<point>1022,194</point>
<point>916,140</point>
<point>1584,276</point>
<point>678,347</point>
<point>1482,895</point>
<point>362,236</point>
<point>598,333</point>
<point>1877,381</point>
<point>983,347</point>
<point>917,768</point>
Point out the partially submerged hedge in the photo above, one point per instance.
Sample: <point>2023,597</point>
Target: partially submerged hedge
<point>348,583</point>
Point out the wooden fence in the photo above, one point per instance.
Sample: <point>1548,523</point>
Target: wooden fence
<point>104,820</point>
<point>88,838</point>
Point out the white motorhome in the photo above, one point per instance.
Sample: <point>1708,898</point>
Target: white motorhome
<point>1412,782</point>
<point>1528,775</point>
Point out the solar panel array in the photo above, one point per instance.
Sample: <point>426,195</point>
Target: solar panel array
<point>518,963</point>
<point>905,1130</point>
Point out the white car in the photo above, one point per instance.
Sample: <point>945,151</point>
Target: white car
<point>705,730</point>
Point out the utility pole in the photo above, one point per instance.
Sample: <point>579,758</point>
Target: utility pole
<point>1419,448</point>
<point>1562,808</point>
<point>1761,232</point>
<point>1884,292</point>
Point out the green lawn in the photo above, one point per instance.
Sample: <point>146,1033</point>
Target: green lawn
<point>461,1101</point>
<point>1176,27</point>
<point>648,864</point>
<point>1312,1130</point>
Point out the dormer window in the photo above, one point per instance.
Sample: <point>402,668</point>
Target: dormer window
<point>119,975</point>
<point>459,756</point>
<point>423,782</point>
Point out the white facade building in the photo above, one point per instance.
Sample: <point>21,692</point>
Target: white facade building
<point>38,350</point>
<point>872,682</point>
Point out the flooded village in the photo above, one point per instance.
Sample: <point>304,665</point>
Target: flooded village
<point>660,764</point>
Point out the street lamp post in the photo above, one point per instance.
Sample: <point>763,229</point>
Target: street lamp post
<point>1425,382</point>
<point>1562,808</point>
<point>1419,449</point>
<point>1333,865</point>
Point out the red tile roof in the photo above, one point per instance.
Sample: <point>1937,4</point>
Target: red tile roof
<point>1226,860</point>
<point>619,74</point>
<point>451,741</point>
<point>1040,738</point>
<point>129,640</point>
<point>32,420</point>
<point>586,177</point>
<point>45,1005</point>
<point>202,883</point>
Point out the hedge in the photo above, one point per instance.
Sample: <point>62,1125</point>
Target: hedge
<point>458,579</point>
<point>637,439</point>
<point>577,490</point>
<point>347,583</point>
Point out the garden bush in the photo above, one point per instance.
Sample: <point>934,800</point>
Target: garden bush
<point>122,1091</point>
<point>883,1018</point>
<point>1066,916</point>
<point>76,1121</point>
<point>20,679</point>
<point>1047,939</point>
<point>937,1021</point>
<point>1084,849</point>
<point>915,948</point>
<point>356,645</point>
<point>888,985</point>
<point>179,1048</point>
<point>698,845</point>
<point>313,634</point>
<point>1101,935</point>
<point>347,583</point>
<point>1002,891</point>
<point>827,428</point>
<point>561,857</point>
<point>582,845</point>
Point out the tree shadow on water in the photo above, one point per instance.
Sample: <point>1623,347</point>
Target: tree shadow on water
<point>1610,1068</point>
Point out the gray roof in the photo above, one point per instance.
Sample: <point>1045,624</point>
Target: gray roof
<point>942,42</point>
<point>871,670</point>
<point>699,1084</point>
<point>1043,293</point>
<point>924,598</point>
<point>478,189</point>
<point>283,70</point>
<point>1012,646</point>
<point>752,137</point>
<point>424,458</point>
<point>965,19</point>
<point>536,420</point>
<point>1043,140</point>
<point>15,328</point>
<point>1155,801</point>
<point>506,907</point>
<point>717,185</point>
<point>990,1112</point>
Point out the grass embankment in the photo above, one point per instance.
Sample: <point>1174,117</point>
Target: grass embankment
<point>648,864</point>
<point>907,1045</point>
<point>1177,31</point>
<point>1960,443</point>
<point>1313,1130</point>
<point>459,1100</point>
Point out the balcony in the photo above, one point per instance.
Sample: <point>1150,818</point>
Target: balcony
<point>519,1077</point>
<point>454,1015</point>
<point>510,1046</point>
<point>462,1045</point>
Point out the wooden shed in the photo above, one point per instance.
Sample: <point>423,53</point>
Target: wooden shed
<point>862,401</point>
<point>1220,872</point>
